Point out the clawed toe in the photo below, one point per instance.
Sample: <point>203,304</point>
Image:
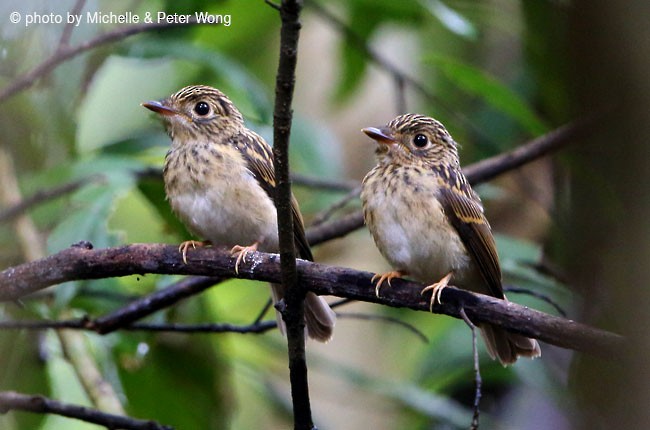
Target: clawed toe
<point>182,248</point>
<point>388,276</point>
<point>241,252</point>
<point>436,290</point>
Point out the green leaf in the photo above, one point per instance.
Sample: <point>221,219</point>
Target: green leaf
<point>110,111</point>
<point>180,383</point>
<point>480,84</point>
<point>450,19</point>
<point>364,21</point>
<point>246,91</point>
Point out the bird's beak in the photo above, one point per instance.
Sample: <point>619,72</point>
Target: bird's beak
<point>160,108</point>
<point>380,135</point>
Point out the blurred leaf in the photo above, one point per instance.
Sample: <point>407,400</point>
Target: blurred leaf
<point>65,387</point>
<point>239,84</point>
<point>181,383</point>
<point>363,21</point>
<point>110,111</point>
<point>153,190</point>
<point>493,92</point>
<point>22,371</point>
<point>450,19</point>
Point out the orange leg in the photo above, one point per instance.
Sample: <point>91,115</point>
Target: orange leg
<point>182,248</point>
<point>388,276</point>
<point>437,289</point>
<point>240,252</point>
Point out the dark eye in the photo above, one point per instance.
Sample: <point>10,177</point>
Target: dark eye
<point>202,108</point>
<point>420,140</point>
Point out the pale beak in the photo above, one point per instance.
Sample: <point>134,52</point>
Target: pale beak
<point>381,135</point>
<point>160,108</point>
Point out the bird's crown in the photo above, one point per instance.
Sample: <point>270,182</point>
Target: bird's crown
<point>415,138</point>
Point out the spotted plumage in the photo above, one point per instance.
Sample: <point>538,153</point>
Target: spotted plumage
<point>220,181</point>
<point>428,222</point>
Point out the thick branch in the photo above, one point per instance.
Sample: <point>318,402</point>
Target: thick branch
<point>82,263</point>
<point>10,400</point>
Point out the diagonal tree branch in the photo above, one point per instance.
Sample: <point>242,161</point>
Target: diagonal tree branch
<point>10,400</point>
<point>77,263</point>
<point>65,53</point>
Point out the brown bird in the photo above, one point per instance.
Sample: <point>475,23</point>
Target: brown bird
<point>428,222</point>
<point>220,182</point>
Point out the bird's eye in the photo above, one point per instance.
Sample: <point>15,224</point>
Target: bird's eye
<point>420,140</point>
<point>202,108</point>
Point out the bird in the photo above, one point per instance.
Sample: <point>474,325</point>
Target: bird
<point>220,182</point>
<point>428,222</point>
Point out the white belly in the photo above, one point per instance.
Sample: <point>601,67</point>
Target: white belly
<point>412,233</point>
<point>225,205</point>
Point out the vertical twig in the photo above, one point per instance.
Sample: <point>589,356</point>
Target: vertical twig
<point>293,313</point>
<point>477,371</point>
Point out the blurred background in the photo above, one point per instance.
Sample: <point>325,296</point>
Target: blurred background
<point>497,73</point>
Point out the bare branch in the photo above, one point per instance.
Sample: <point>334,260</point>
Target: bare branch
<point>82,263</point>
<point>64,53</point>
<point>10,400</point>
<point>92,325</point>
<point>67,30</point>
<point>323,183</point>
<point>292,309</point>
<point>43,196</point>
<point>152,303</point>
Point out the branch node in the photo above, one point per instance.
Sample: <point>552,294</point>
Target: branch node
<point>83,244</point>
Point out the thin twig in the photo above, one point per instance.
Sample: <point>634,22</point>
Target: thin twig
<point>540,296</point>
<point>263,312</point>
<point>386,319</point>
<point>87,324</point>
<point>326,184</point>
<point>63,54</point>
<point>152,303</point>
<point>477,371</point>
<point>336,206</point>
<point>11,400</point>
<point>43,196</point>
<point>67,30</point>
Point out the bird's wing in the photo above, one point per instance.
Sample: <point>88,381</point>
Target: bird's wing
<point>259,160</point>
<point>464,211</point>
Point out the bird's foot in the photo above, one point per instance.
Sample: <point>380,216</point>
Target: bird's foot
<point>436,290</point>
<point>388,276</point>
<point>182,248</point>
<point>240,252</point>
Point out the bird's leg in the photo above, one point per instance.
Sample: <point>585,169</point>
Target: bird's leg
<point>437,289</point>
<point>182,248</point>
<point>240,252</point>
<point>388,276</point>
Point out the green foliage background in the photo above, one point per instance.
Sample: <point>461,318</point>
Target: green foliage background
<point>498,73</point>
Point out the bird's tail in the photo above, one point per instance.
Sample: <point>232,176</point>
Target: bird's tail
<point>319,317</point>
<point>506,346</point>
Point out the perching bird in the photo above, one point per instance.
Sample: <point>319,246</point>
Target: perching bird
<point>428,222</point>
<point>220,182</point>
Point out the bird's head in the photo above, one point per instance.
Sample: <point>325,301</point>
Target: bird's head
<point>414,138</point>
<point>197,112</point>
